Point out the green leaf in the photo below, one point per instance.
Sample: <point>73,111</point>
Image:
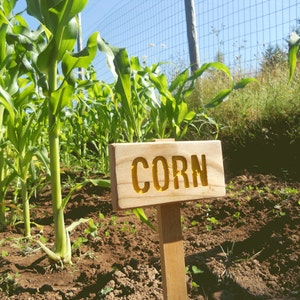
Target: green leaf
<point>67,9</point>
<point>83,59</point>
<point>3,18</point>
<point>49,252</point>
<point>180,80</point>
<point>161,83</point>
<point>183,111</point>
<point>110,51</point>
<point>215,65</point>
<point>139,212</point>
<point>43,156</point>
<point>61,97</point>
<point>68,40</point>
<point>219,98</point>
<point>6,101</point>
<point>135,64</point>
<point>123,84</point>
<point>190,116</point>
<point>8,6</point>
<point>40,10</point>
<point>56,50</point>
<point>71,192</point>
<point>47,57</point>
<point>293,50</point>
<point>105,183</point>
<point>72,226</point>
<point>97,182</point>
<point>243,82</point>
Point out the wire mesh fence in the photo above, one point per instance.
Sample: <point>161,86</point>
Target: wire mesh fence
<point>238,32</point>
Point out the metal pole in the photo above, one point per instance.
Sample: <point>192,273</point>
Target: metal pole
<point>192,34</point>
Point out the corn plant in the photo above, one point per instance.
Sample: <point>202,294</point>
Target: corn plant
<point>141,105</point>
<point>149,106</point>
<point>57,61</point>
<point>18,90</point>
<point>7,174</point>
<point>90,123</point>
<point>5,10</point>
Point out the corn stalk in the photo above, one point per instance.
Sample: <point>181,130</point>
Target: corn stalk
<point>59,20</point>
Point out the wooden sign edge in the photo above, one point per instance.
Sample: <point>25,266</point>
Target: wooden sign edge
<point>113,177</point>
<point>114,181</point>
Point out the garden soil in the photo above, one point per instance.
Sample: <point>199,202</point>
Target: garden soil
<point>242,246</point>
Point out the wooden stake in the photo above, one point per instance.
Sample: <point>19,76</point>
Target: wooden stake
<point>165,173</point>
<point>172,252</point>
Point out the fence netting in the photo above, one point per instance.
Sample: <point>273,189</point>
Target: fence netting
<point>237,32</point>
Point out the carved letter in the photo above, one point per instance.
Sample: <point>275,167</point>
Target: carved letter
<point>196,170</point>
<point>134,175</point>
<point>164,164</point>
<point>181,172</point>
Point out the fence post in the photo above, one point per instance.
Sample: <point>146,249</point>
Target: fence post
<point>192,34</point>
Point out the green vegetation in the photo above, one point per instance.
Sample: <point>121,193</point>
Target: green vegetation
<point>52,122</point>
<point>259,125</point>
<point>266,108</point>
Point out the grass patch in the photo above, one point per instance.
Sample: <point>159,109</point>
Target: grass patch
<point>259,125</point>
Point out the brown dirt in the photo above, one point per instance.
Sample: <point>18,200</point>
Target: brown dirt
<point>243,246</point>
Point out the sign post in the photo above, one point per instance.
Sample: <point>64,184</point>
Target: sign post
<point>171,251</point>
<point>165,173</point>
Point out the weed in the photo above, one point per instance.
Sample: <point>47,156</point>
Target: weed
<point>4,253</point>
<point>194,223</point>
<point>79,242</point>
<point>213,222</point>
<point>194,272</point>
<point>128,227</point>
<point>286,193</point>
<point>229,252</point>
<point>278,211</point>
<point>92,229</point>
<point>114,221</point>
<point>103,292</point>
<point>8,282</point>
<point>237,215</point>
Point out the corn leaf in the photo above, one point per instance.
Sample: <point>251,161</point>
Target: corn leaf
<point>6,101</point>
<point>139,212</point>
<point>49,252</point>
<point>82,59</point>
<point>219,98</point>
<point>243,82</point>
<point>61,97</point>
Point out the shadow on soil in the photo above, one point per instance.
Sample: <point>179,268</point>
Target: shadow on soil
<point>261,245</point>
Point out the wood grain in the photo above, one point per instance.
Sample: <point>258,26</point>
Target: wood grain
<point>145,174</point>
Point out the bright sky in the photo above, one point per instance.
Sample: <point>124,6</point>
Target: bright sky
<point>155,30</point>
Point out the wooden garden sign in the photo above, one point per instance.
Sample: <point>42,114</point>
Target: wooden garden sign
<point>165,173</point>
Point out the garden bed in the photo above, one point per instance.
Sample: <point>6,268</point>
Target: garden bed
<point>243,246</point>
